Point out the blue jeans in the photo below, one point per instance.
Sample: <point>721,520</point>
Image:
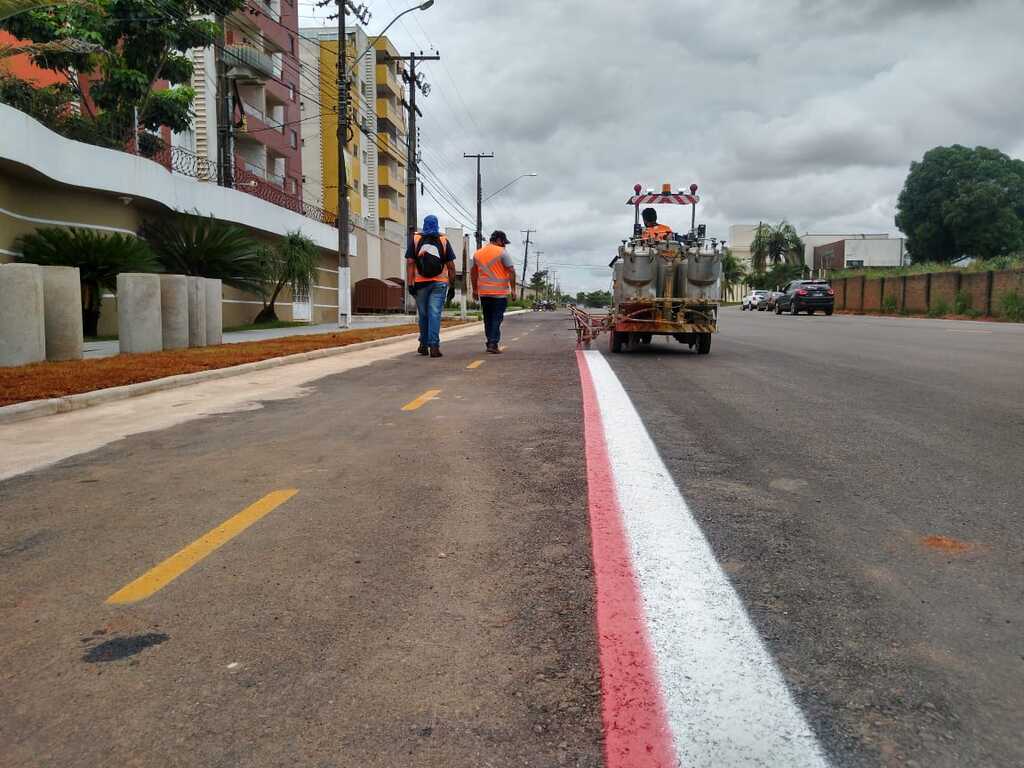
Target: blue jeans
<point>429,305</point>
<point>494,312</point>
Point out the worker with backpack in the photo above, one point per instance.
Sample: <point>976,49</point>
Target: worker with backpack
<point>430,270</point>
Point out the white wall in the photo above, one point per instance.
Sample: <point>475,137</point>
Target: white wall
<point>28,143</point>
<point>876,253</point>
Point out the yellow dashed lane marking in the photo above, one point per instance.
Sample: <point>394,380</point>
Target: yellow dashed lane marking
<point>159,577</point>
<point>422,400</point>
<point>475,364</point>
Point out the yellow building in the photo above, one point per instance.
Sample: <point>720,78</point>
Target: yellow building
<point>376,147</point>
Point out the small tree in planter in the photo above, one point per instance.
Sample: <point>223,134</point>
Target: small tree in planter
<point>292,262</point>
<point>203,246</point>
<point>99,258</point>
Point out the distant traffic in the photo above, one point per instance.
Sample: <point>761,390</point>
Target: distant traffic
<point>797,296</point>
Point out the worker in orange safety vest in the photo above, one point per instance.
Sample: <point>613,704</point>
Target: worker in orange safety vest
<point>652,229</point>
<point>494,278</point>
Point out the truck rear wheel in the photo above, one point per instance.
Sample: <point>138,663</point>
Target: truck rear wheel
<point>615,341</point>
<point>703,343</point>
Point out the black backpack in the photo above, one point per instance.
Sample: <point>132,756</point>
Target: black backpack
<point>430,255</point>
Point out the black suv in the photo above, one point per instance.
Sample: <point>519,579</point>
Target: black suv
<point>806,296</point>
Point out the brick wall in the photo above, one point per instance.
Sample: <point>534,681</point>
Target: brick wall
<point>975,285</point>
<point>839,286</point>
<point>893,292</point>
<point>1004,283</point>
<point>873,294</point>
<point>917,293</point>
<point>853,293</point>
<point>944,288</point>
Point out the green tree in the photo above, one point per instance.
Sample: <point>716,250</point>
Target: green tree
<point>599,299</point>
<point>99,258</point>
<point>959,201</point>
<point>539,281</point>
<point>775,244</point>
<point>124,47</point>
<point>733,272</point>
<point>292,261</point>
<point>203,246</point>
<point>774,277</point>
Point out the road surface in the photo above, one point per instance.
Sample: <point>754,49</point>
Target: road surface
<point>804,549</point>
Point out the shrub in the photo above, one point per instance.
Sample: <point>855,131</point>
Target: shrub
<point>203,246</point>
<point>1012,306</point>
<point>939,309</point>
<point>889,304</point>
<point>962,304</point>
<point>99,258</point>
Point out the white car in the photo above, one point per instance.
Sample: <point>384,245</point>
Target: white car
<point>755,300</point>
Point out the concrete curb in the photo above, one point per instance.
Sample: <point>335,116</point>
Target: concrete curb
<point>33,409</point>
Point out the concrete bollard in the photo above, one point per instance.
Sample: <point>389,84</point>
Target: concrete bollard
<point>22,328</point>
<point>138,312</point>
<point>62,313</point>
<point>214,312</point>
<point>174,311</point>
<point>196,312</point>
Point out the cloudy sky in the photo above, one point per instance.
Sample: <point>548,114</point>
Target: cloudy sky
<point>809,110</point>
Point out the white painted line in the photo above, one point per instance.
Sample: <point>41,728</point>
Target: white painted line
<point>725,700</point>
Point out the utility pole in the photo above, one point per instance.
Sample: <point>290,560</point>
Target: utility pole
<point>224,158</point>
<point>526,263</point>
<point>537,253</point>
<point>479,198</point>
<point>416,82</point>
<point>344,273</point>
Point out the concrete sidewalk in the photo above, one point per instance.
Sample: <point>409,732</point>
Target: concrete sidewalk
<point>111,348</point>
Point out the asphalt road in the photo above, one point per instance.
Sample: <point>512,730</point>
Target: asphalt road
<point>819,454</point>
<point>426,596</point>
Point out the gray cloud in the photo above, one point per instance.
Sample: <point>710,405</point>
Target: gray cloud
<point>806,109</point>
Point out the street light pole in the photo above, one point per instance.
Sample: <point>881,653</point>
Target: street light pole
<point>344,271</point>
<point>479,198</point>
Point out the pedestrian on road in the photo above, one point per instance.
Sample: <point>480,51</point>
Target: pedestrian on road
<point>429,270</point>
<point>494,277</point>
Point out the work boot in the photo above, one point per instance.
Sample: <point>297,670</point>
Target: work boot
<point>494,349</point>
<point>490,346</point>
<point>423,349</point>
<point>435,352</point>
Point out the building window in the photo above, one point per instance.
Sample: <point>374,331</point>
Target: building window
<point>291,45</point>
<point>291,91</point>
<point>855,262</point>
<point>294,140</point>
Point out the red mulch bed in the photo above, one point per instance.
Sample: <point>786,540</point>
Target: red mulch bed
<point>44,380</point>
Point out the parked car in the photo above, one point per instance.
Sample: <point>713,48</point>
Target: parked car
<point>773,298</point>
<point>806,296</point>
<point>755,300</point>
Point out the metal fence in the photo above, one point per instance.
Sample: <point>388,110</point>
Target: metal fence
<point>180,160</point>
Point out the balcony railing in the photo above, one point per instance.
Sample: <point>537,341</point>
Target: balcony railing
<point>258,113</point>
<point>247,56</point>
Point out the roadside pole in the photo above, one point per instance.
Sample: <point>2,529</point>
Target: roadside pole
<point>479,197</point>
<point>526,263</point>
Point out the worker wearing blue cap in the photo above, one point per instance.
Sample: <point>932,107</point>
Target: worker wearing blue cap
<point>429,270</point>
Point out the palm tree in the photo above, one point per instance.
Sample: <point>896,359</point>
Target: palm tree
<point>206,247</point>
<point>733,273</point>
<point>293,261</point>
<point>775,244</point>
<point>99,258</point>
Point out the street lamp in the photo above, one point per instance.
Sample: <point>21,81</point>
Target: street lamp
<point>517,178</point>
<point>344,289</point>
<point>421,7</point>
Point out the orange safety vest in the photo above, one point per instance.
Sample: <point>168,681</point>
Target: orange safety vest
<point>657,232</point>
<point>443,277</point>
<point>493,278</point>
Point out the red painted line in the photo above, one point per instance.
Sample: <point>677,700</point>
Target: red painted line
<point>636,731</point>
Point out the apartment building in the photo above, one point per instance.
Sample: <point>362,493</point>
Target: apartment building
<point>374,154</point>
<point>261,58</point>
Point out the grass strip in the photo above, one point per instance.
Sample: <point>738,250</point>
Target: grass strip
<point>39,381</point>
